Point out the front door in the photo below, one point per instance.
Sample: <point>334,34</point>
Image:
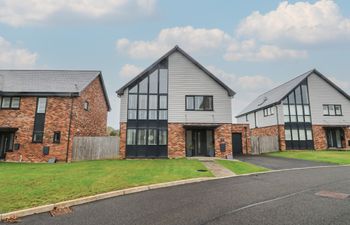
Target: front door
<point>334,137</point>
<point>6,140</point>
<point>237,144</point>
<point>199,142</point>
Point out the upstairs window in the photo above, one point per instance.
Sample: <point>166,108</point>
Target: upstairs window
<point>332,110</point>
<point>269,111</point>
<point>41,108</point>
<point>10,102</point>
<point>86,106</point>
<point>199,103</point>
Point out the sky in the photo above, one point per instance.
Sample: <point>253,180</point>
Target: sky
<point>251,45</point>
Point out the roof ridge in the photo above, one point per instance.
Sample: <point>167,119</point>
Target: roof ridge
<point>83,70</point>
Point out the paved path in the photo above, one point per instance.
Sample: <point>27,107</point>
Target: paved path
<point>216,169</point>
<point>283,198</point>
<point>277,163</point>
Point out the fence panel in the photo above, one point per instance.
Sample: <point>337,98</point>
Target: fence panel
<point>92,148</point>
<point>264,144</point>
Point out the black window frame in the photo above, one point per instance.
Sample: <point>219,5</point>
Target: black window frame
<point>39,115</point>
<point>56,137</point>
<point>40,140</point>
<point>86,106</point>
<point>335,111</point>
<point>194,103</point>
<point>269,111</point>
<point>10,105</point>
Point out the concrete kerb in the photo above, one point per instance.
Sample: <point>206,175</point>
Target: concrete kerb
<point>83,200</point>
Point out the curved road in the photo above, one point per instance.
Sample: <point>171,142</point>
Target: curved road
<point>286,197</point>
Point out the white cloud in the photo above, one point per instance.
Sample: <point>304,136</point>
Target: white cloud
<point>129,71</point>
<point>302,22</point>
<point>246,87</point>
<point>19,12</point>
<point>189,38</point>
<point>248,50</point>
<point>15,57</point>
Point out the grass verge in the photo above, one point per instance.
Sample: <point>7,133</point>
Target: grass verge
<point>28,185</point>
<point>337,157</point>
<point>241,167</point>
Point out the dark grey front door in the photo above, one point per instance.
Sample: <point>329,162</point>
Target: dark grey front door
<point>199,142</point>
<point>334,137</point>
<point>237,144</point>
<point>5,143</point>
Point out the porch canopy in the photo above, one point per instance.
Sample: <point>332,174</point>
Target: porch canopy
<point>8,129</point>
<point>201,125</point>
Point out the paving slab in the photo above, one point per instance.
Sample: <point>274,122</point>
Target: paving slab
<point>217,169</point>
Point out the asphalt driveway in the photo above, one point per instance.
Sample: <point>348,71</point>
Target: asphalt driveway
<point>277,163</point>
<point>286,197</point>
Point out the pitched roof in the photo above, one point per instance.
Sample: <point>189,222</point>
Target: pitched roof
<point>277,94</point>
<point>176,49</point>
<point>48,82</point>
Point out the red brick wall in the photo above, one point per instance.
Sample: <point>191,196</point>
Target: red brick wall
<point>244,130</point>
<point>122,142</point>
<point>176,140</point>
<point>320,138</point>
<point>277,130</point>
<point>223,134</point>
<point>92,123</point>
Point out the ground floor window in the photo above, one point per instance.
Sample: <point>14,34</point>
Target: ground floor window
<point>150,136</point>
<point>298,136</point>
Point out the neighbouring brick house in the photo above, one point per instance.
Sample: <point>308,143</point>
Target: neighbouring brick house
<point>177,108</point>
<point>308,112</point>
<point>42,110</point>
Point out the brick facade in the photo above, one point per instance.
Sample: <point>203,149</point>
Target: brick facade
<point>57,118</point>
<point>277,130</point>
<point>177,139</point>
<point>320,137</point>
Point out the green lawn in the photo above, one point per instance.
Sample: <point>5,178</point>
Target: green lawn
<point>241,167</point>
<point>27,185</point>
<point>338,157</point>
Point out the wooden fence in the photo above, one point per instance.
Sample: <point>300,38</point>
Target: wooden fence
<point>92,148</point>
<point>264,144</point>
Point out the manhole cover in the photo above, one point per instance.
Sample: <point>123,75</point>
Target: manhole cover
<point>330,194</point>
<point>202,170</point>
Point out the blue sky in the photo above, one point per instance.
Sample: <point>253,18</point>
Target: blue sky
<point>252,45</point>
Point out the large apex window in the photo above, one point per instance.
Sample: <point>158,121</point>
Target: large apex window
<point>332,110</point>
<point>199,103</point>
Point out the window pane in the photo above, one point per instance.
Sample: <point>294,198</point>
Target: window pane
<point>325,110</point>
<point>141,137</point>
<point>288,135</point>
<point>143,86</point>
<point>295,135</point>
<point>152,114</point>
<point>189,102</point>
<point>300,118</point>
<point>132,114</point>
<point>38,136</point>
<point>331,110</point>
<point>308,134</point>
<point>153,101</point>
<point>163,114</point>
<point>293,118</point>
<point>15,102</point>
<point>291,98</point>
<point>142,114</point>
<point>292,110</point>
<point>286,119</point>
<point>298,95</point>
<point>337,110</point>
<point>142,101</point>
<point>207,103</point>
<point>6,102</point>
<point>132,102</point>
<point>307,119</point>
<point>131,137</point>
<point>300,110</point>
<point>163,81</point>
<point>285,110</point>
<point>302,134</point>
<point>41,105</point>
<point>307,110</point>
<point>163,102</point>
<point>153,82</point>
<point>305,94</point>
<point>199,102</point>
<point>133,89</point>
<point>163,137</point>
<point>152,136</point>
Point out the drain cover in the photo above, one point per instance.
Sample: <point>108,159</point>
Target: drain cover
<point>330,194</point>
<point>202,170</point>
<point>60,211</point>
